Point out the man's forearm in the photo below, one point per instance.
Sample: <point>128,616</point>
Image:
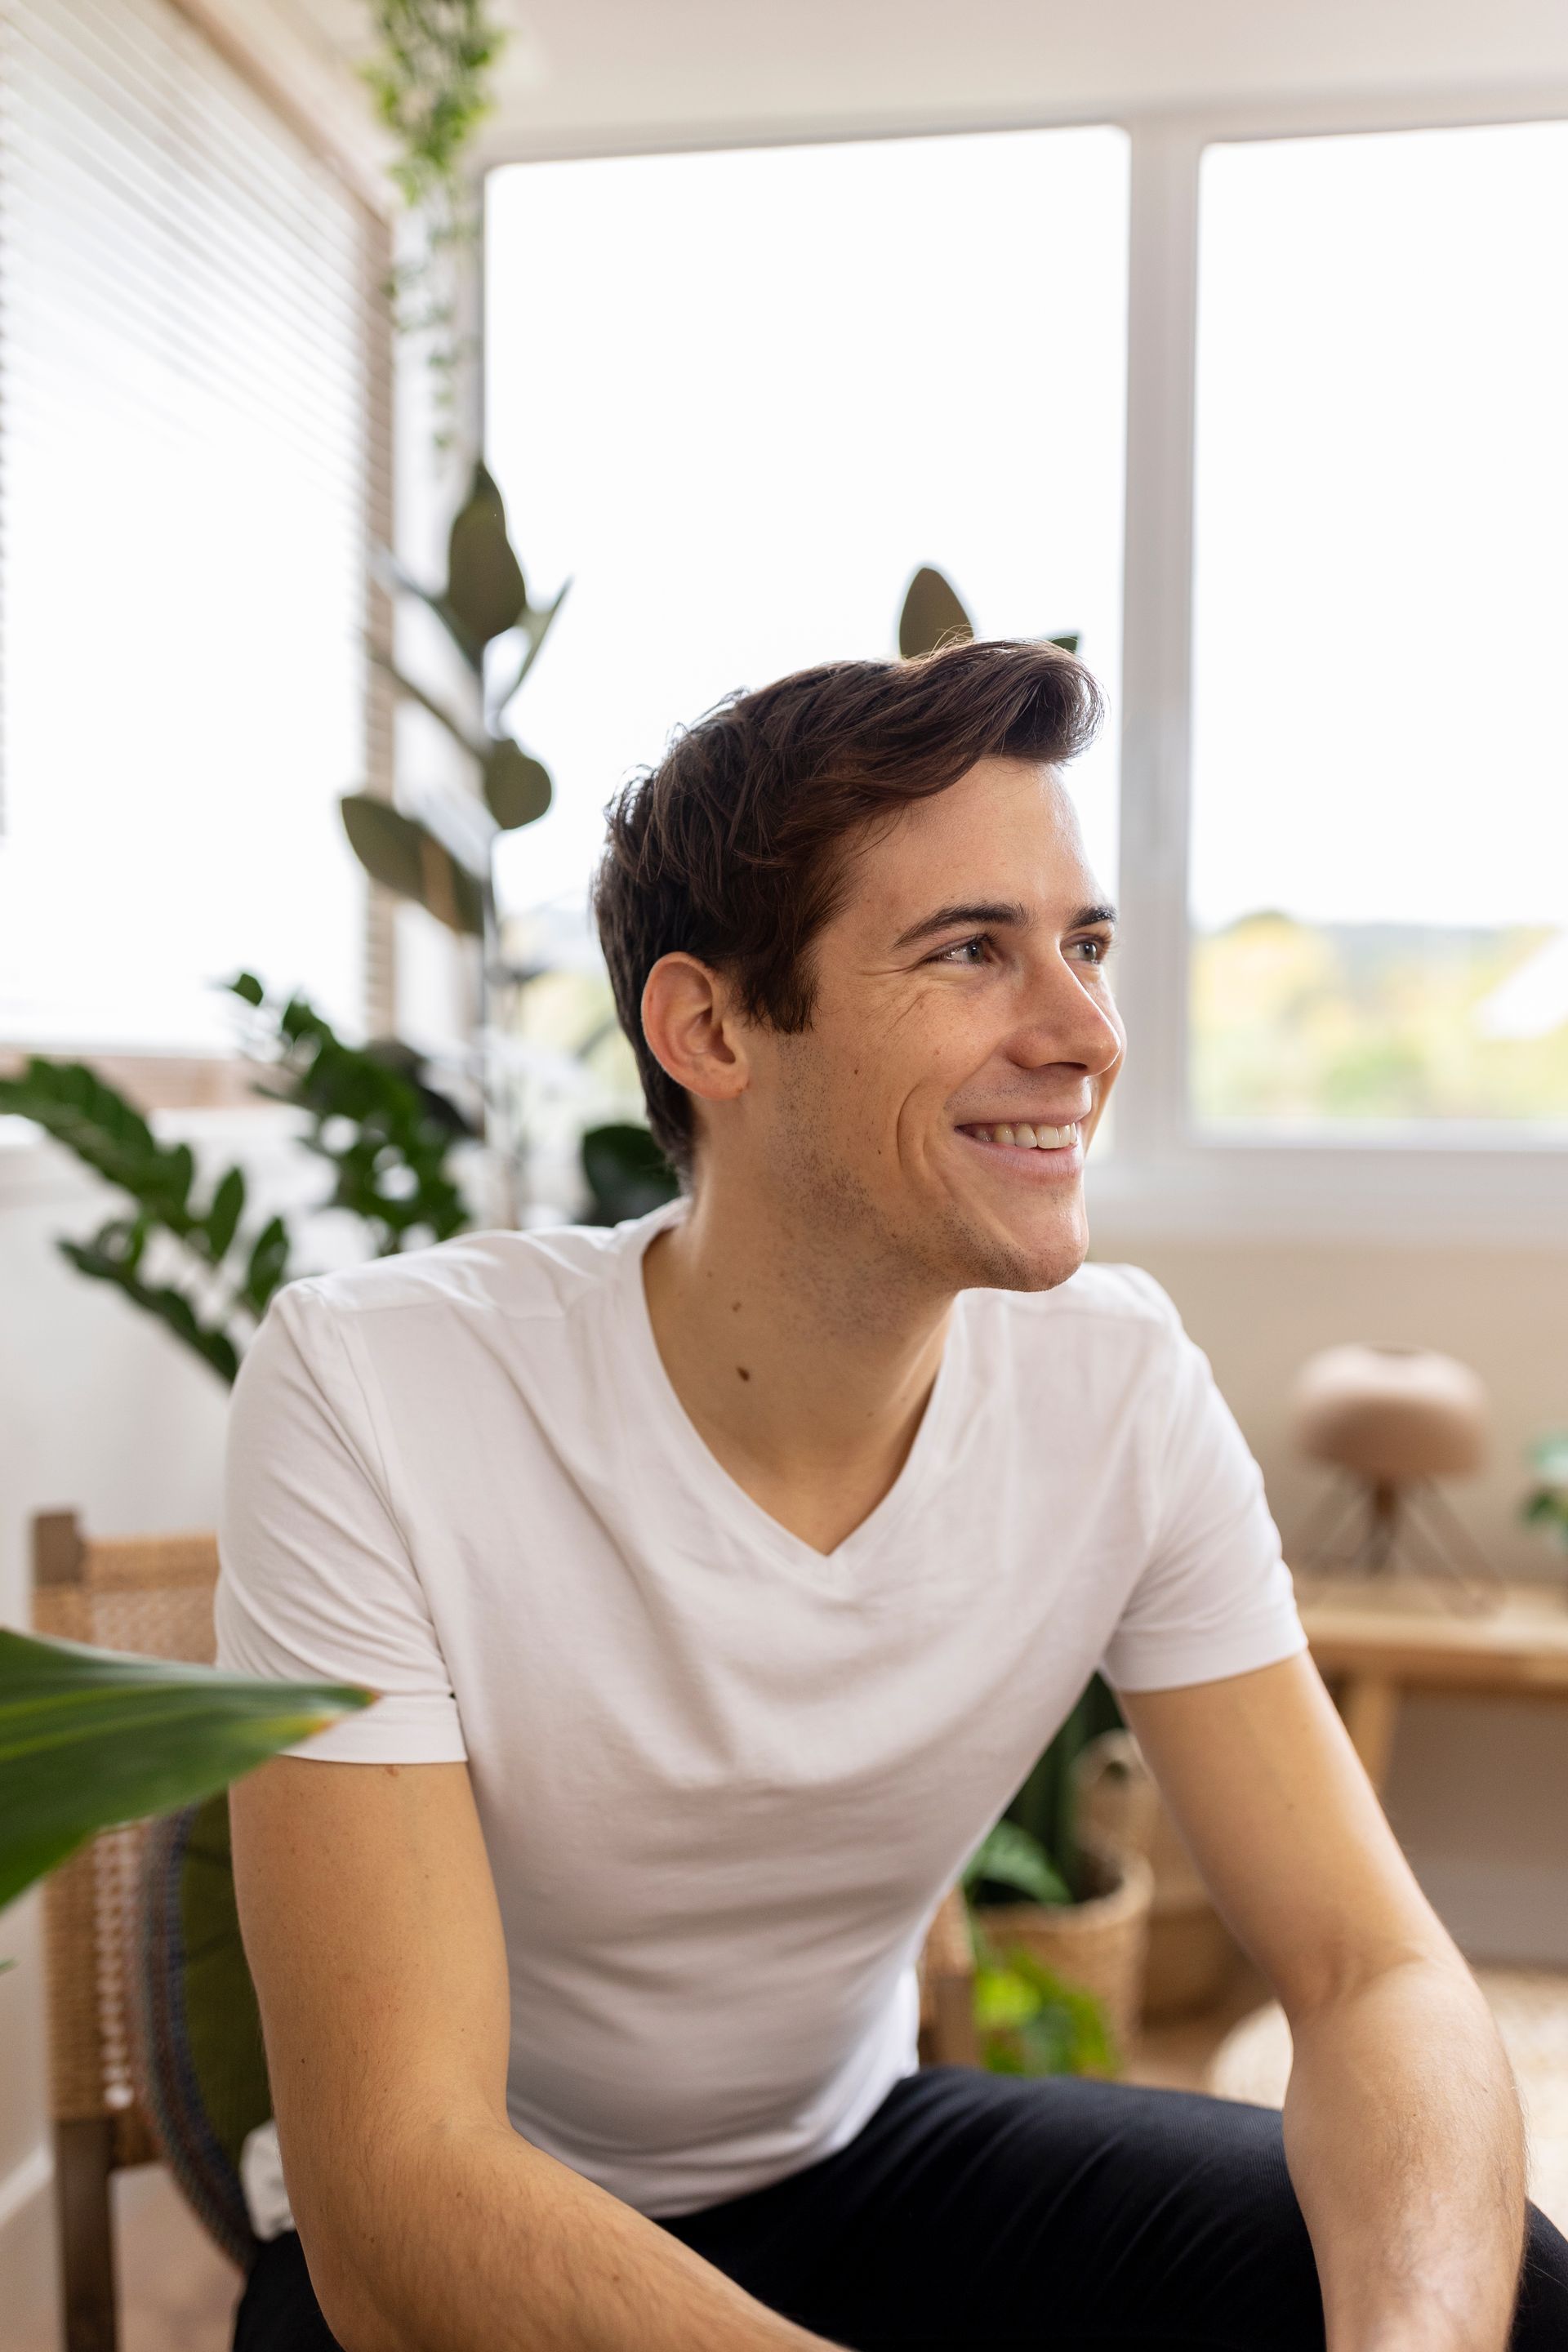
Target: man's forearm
<point>465,2239</point>
<point>1405,2146</point>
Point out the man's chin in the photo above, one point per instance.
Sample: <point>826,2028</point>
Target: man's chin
<point>1036,1255</point>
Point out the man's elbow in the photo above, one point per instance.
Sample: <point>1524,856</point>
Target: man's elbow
<point>356,2320</point>
<point>1323,1980</point>
<point>344,2281</point>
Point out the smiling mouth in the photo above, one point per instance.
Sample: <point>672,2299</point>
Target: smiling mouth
<point>1023,1137</point>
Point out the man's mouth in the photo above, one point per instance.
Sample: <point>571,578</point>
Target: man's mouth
<point>1023,1137</point>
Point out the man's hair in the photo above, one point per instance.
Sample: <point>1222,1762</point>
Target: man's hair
<point>733,849</point>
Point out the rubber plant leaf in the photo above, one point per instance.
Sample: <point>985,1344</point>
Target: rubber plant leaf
<point>90,1737</point>
<point>535,626</point>
<point>394,580</point>
<point>485,587</point>
<point>516,787</point>
<point>932,616</point>
<point>405,857</point>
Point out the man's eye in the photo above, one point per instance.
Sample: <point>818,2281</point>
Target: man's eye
<point>964,951</point>
<point>1093,952</point>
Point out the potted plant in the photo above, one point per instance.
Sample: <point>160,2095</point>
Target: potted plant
<point>1060,1917</point>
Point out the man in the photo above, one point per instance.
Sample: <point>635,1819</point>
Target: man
<point>723,1576</point>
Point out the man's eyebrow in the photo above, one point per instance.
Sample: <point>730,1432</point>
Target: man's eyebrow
<point>1000,914</point>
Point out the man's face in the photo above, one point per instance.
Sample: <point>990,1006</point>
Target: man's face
<point>962,1008</point>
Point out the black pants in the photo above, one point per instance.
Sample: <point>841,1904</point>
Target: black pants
<point>978,2211</point>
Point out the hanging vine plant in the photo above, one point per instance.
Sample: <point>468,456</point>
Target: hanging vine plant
<point>431,80</point>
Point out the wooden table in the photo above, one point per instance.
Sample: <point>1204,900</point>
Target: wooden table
<point>1376,1638</point>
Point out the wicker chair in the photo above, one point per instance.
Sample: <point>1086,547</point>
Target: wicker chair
<point>153,1594</point>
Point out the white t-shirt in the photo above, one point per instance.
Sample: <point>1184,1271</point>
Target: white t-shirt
<point>724,1780</point>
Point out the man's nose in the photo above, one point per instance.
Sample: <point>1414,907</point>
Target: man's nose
<point>1067,1021</point>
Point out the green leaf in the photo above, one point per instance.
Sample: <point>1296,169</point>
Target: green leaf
<point>1009,1857</point>
<point>171,1306</point>
<point>392,1055</point>
<point>626,1172</point>
<point>224,1214</point>
<point>104,1129</point>
<point>393,577</point>
<point>485,586</point>
<point>516,788</point>
<point>245,984</point>
<point>932,614</point>
<point>536,626</point>
<point>1031,2021</point>
<point>265,1266</point>
<point>386,843</point>
<point>404,857</point>
<point>1068,643</point>
<point>90,1738</point>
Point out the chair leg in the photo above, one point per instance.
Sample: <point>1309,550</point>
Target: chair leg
<point>83,2153</point>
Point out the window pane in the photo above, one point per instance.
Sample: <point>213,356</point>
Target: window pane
<point>1380,842</point>
<point>739,397</point>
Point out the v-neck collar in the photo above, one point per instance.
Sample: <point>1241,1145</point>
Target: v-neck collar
<point>653,1396</point>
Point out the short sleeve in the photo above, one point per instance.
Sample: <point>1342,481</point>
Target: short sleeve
<point>1214,1597</point>
<point>316,1582</point>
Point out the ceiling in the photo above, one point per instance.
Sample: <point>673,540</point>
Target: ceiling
<point>586,77</point>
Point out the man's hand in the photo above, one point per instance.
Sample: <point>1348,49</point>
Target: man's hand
<point>428,2224</point>
<point>1402,2126</point>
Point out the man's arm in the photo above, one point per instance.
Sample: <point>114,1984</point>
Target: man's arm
<point>1402,2126</point>
<point>428,2224</point>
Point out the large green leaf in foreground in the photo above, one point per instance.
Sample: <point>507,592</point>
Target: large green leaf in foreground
<point>90,1738</point>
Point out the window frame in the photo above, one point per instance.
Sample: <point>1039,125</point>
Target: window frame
<point>1398,1182</point>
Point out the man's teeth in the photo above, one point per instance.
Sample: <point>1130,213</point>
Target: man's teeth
<point>1030,1139</point>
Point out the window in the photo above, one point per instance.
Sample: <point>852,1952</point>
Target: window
<point>187,455</point>
<point>1379,852</point>
<point>740,396</point>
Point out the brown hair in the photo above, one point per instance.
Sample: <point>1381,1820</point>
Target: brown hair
<point>726,849</point>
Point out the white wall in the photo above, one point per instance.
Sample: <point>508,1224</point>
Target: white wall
<point>1479,1791</point>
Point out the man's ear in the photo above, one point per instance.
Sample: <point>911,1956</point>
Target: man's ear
<point>694,1029</point>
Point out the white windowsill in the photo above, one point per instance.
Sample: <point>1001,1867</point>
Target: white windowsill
<point>1425,1193</point>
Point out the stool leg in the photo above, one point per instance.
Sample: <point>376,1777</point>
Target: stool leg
<point>1370,1704</point>
<point>83,2150</point>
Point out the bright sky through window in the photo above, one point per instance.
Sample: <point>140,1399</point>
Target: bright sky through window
<point>1381,738</point>
<point>740,396</point>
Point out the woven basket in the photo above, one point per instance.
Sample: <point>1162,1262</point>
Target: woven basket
<point>1190,1950</point>
<point>1098,1945</point>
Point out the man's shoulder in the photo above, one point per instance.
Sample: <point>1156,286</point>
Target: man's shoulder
<point>520,1276</point>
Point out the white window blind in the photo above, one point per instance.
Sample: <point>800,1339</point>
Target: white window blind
<point>185,450</point>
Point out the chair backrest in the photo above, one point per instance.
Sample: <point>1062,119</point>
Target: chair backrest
<point>152,1594</point>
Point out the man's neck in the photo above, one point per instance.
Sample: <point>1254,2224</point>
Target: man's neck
<point>804,1370</point>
